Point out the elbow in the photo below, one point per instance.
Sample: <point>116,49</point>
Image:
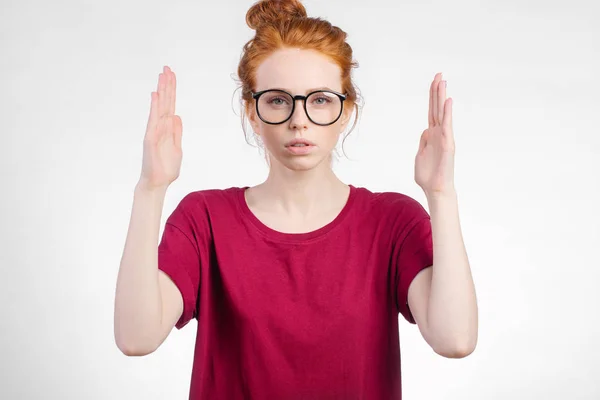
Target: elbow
<point>133,344</point>
<point>133,351</point>
<point>459,349</point>
<point>455,352</point>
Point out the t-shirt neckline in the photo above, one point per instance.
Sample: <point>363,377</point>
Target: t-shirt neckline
<point>293,237</point>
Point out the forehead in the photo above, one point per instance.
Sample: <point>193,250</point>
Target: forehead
<point>298,71</point>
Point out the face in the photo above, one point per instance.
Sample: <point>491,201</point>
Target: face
<point>298,72</point>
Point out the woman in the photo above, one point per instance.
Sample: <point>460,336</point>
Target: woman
<point>297,282</point>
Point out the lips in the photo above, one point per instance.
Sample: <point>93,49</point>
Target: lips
<point>300,147</point>
<point>299,143</point>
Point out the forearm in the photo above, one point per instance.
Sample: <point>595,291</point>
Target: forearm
<point>138,304</point>
<point>452,318</point>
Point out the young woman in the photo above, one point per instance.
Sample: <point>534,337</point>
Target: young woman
<point>297,282</point>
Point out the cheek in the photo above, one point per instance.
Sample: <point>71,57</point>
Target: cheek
<point>331,136</point>
<point>270,136</point>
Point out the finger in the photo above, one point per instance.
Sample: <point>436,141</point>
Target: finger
<point>173,93</point>
<point>447,122</point>
<point>423,141</point>
<point>161,95</point>
<point>168,93</point>
<point>153,116</point>
<point>442,100</point>
<point>435,99</point>
<point>430,115</point>
<point>177,132</point>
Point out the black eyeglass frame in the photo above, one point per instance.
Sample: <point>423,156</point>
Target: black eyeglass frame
<point>341,96</point>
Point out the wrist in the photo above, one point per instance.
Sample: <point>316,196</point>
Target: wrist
<point>145,188</point>
<point>446,195</point>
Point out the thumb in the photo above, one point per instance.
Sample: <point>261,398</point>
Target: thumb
<point>177,130</point>
<point>423,141</point>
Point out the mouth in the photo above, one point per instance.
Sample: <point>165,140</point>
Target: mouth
<point>300,147</point>
<point>299,143</point>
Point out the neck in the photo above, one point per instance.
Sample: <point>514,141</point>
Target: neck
<point>301,193</point>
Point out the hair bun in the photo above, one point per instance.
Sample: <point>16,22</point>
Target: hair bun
<point>273,11</point>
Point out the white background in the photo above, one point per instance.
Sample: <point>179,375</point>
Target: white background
<point>76,78</point>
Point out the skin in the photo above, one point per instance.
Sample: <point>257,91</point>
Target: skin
<point>442,298</point>
<point>301,192</point>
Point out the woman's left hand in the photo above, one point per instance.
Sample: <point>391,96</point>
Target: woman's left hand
<point>434,162</point>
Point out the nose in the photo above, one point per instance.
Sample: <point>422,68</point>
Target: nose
<point>299,119</point>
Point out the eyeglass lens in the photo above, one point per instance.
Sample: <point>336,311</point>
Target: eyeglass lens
<point>322,107</point>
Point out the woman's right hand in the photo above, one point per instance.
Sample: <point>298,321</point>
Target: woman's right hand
<point>162,155</point>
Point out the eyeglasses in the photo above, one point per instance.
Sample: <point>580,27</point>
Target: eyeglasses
<point>323,107</point>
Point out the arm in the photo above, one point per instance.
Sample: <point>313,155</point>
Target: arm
<point>147,303</point>
<point>442,298</point>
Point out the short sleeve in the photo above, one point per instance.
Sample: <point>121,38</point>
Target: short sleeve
<point>415,253</point>
<point>179,258</point>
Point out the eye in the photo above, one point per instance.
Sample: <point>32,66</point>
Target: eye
<point>324,98</point>
<point>277,100</point>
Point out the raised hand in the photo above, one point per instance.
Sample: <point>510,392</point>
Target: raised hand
<point>434,162</point>
<point>161,162</point>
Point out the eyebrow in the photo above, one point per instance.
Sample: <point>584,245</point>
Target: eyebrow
<point>307,90</point>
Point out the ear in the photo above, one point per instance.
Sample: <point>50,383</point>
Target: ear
<point>346,114</point>
<point>253,118</point>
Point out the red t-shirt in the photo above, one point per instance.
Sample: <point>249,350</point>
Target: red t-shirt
<point>295,316</point>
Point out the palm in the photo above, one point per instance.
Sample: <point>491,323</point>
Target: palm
<point>163,155</point>
<point>162,144</point>
<point>434,162</point>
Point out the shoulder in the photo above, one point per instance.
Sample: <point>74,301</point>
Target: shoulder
<point>394,214</point>
<point>205,197</point>
<point>393,204</point>
<point>200,203</point>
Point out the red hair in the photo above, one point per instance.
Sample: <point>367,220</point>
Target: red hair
<point>283,24</point>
